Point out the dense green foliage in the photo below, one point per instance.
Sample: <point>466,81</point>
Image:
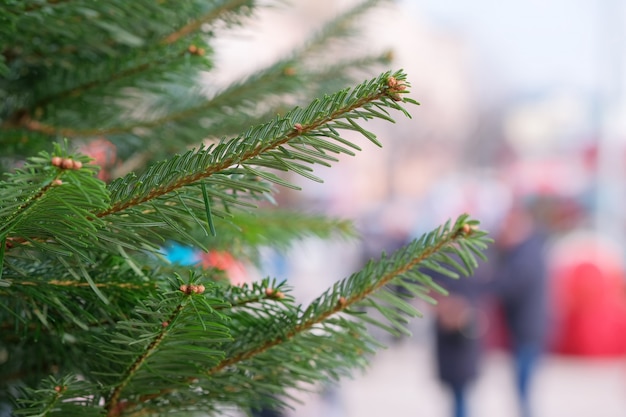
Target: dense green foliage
<point>95,321</point>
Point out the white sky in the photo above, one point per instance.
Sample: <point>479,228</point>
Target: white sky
<point>535,44</point>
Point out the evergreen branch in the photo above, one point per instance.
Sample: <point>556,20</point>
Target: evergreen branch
<point>279,79</point>
<point>72,283</point>
<point>23,209</point>
<point>67,301</point>
<point>54,396</point>
<point>28,123</point>
<point>62,397</point>
<point>230,95</point>
<point>40,5</point>
<point>276,228</point>
<point>327,74</point>
<point>291,75</point>
<point>31,124</point>
<point>60,211</point>
<point>340,27</point>
<point>86,289</point>
<point>52,402</point>
<point>258,292</point>
<point>161,362</point>
<point>113,405</point>
<point>194,25</point>
<point>464,228</point>
<point>51,180</point>
<point>254,145</point>
<point>333,29</point>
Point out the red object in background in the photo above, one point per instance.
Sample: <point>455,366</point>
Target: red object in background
<point>104,154</point>
<point>589,294</point>
<point>224,261</point>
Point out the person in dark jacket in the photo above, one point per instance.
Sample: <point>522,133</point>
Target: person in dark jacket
<point>458,342</point>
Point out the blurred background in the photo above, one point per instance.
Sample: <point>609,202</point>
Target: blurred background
<point>522,114</point>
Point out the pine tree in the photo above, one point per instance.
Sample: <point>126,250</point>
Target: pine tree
<point>95,320</point>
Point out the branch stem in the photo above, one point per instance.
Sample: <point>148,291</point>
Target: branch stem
<point>252,153</point>
<point>307,325</point>
<point>114,406</point>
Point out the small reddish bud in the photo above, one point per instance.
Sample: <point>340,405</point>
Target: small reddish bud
<point>199,289</point>
<point>289,71</point>
<point>392,82</point>
<point>59,388</point>
<point>67,164</point>
<point>165,324</point>
<point>200,52</point>
<point>57,182</point>
<point>184,288</point>
<point>279,295</point>
<point>395,86</point>
<point>56,161</point>
<point>298,127</point>
<point>342,301</point>
<point>269,292</point>
<point>192,49</point>
<point>77,164</point>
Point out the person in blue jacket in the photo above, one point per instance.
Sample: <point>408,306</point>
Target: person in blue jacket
<point>520,285</point>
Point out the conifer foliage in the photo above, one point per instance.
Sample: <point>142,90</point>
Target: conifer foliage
<point>94,320</point>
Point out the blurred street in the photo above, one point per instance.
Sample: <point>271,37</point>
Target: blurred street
<point>513,115</point>
<point>401,383</point>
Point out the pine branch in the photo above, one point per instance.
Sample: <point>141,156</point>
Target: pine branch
<point>63,397</point>
<point>340,28</point>
<point>366,283</point>
<point>108,29</point>
<point>139,69</point>
<point>229,6</point>
<point>311,78</point>
<point>65,298</point>
<point>52,199</point>
<point>260,361</point>
<point>254,144</point>
<point>279,328</point>
<point>244,233</point>
<point>273,79</point>
<point>83,272</point>
<point>68,283</point>
<point>184,126</point>
<point>230,172</point>
<point>187,322</point>
<point>34,6</point>
<point>168,50</point>
<point>112,405</point>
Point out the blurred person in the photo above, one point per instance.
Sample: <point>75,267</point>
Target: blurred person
<point>458,343</point>
<point>514,279</point>
<point>519,283</point>
<point>460,322</point>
